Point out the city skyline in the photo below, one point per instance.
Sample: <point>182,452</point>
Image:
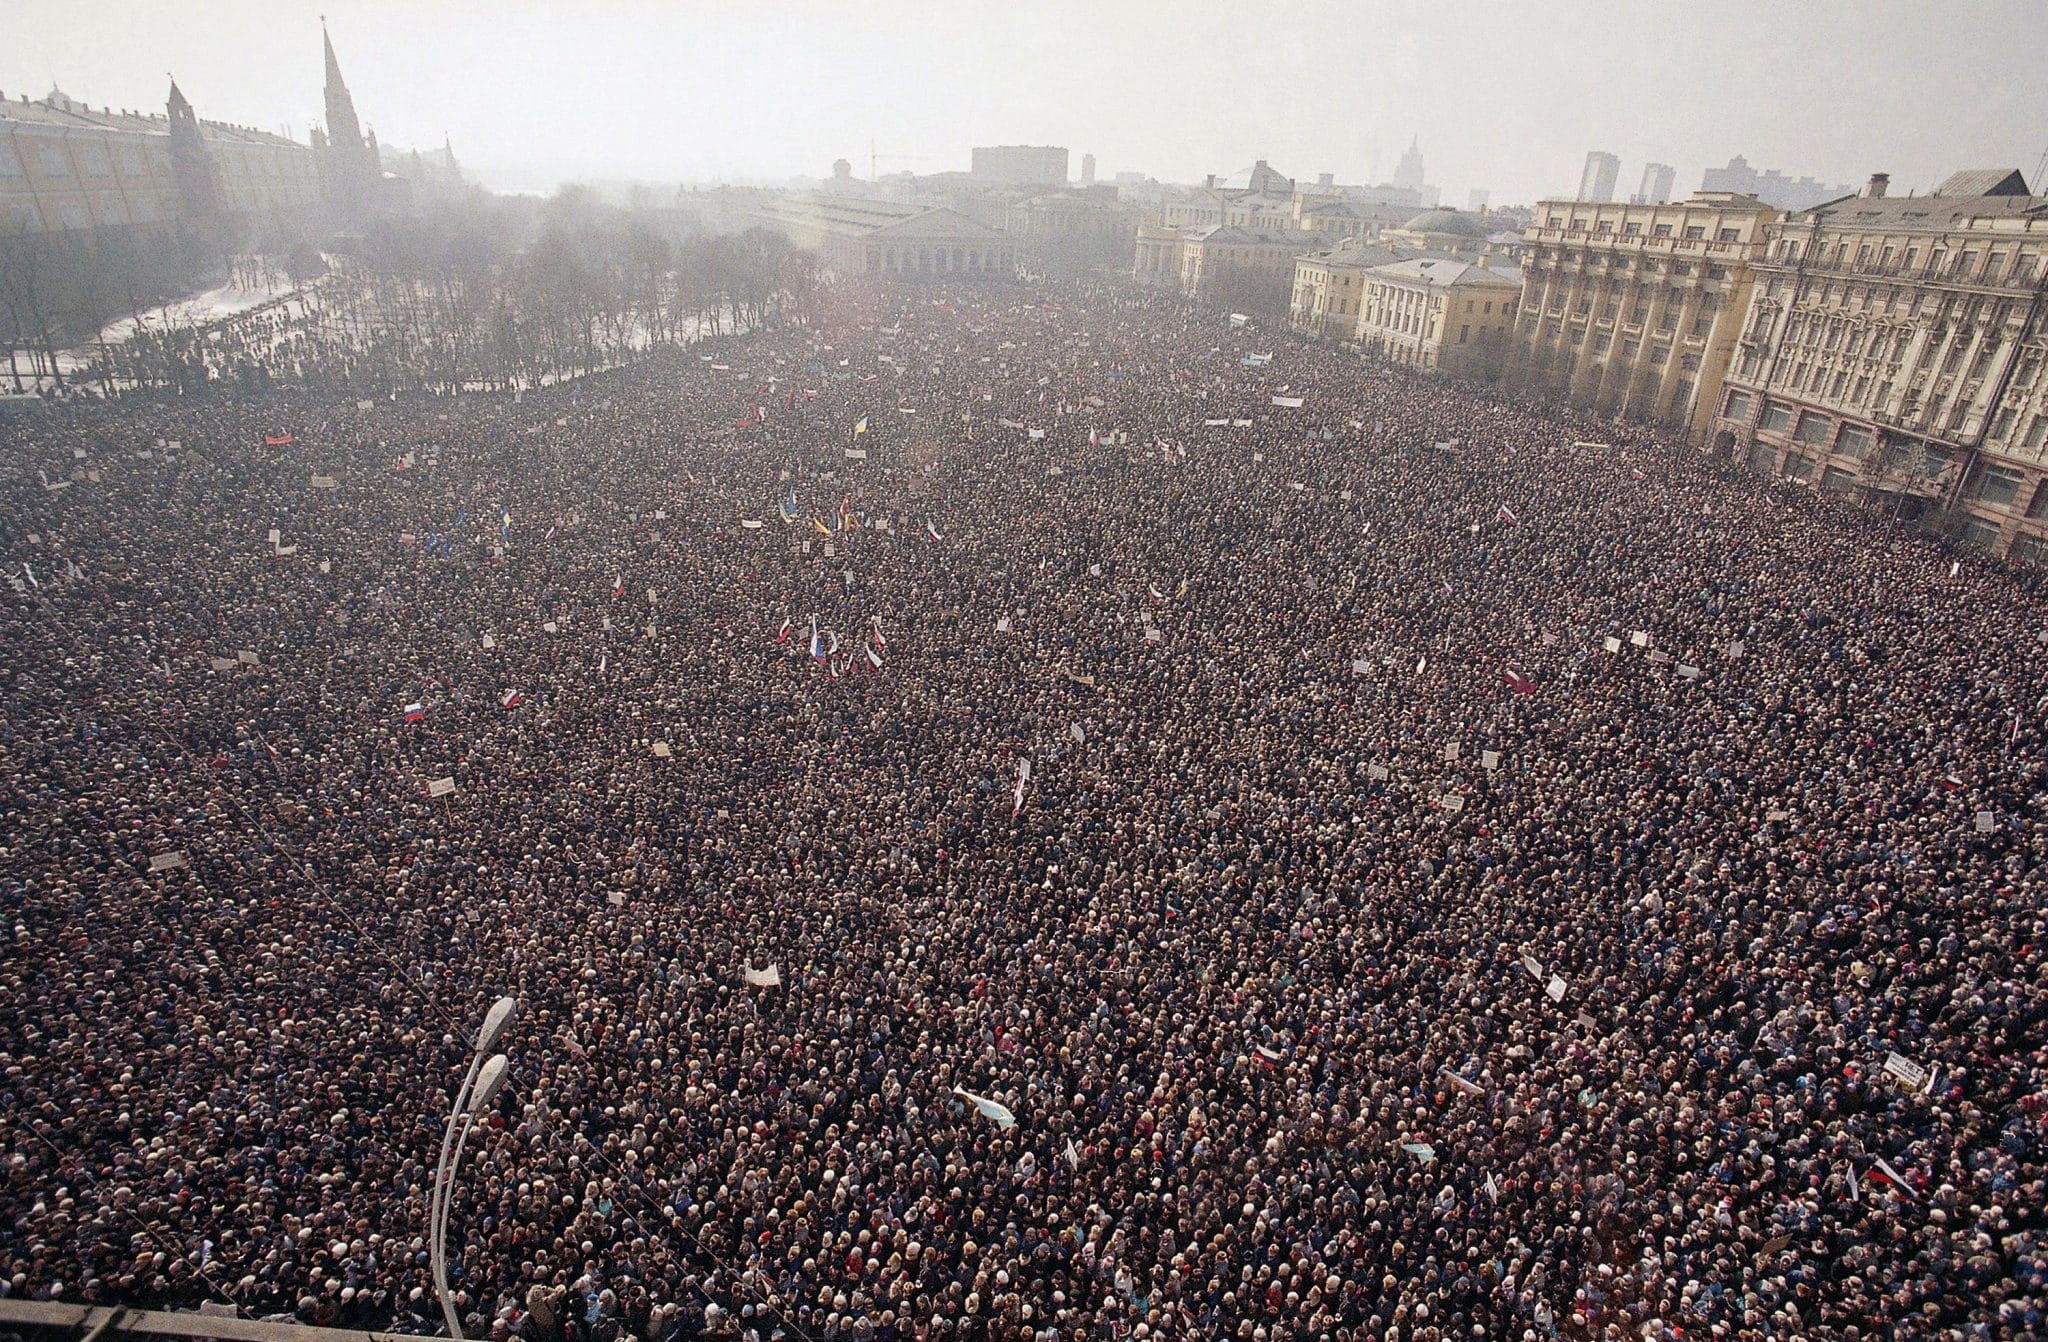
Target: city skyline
<point>634,91</point>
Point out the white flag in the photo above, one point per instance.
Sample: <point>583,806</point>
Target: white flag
<point>1001,1116</point>
<point>771,977</point>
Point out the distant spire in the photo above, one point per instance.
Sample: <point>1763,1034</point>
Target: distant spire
<point>343,131</point>
<point>177,102</point>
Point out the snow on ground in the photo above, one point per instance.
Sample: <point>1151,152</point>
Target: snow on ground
<point>211,305</point>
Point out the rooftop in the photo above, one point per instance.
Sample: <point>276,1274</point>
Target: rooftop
<point>1975,194</point>
<point>60,112</point>
<point>1448,274</point>
<point>1456,223</point>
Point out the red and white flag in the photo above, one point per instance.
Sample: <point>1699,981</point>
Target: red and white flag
<point>1516,681</point>
<point>1507,515</point>
<point>1883,1172</point>
<point>511,698</point>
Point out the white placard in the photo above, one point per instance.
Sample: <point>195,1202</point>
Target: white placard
<point>1489,760</point>
<point>246,658</point>
<point>1986,822</point>
<point>661,750</point>
<point>1688,672</point>
<point>1452,802</point>
<point>1555,989</point>
<point>1641,638</point>
<point>856,454</point>
<point>1451,752</point>
<point>168,862</point>
<point>1378,773</point>
<point>1611,643</point>
<point>1906,1070</point>
<point>223,663</point>
<point>440,787</point>
<point>1360,666</point>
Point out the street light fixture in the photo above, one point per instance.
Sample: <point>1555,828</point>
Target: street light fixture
<point>485,1078</point>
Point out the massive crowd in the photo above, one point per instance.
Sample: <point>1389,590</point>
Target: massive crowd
<point>1479,874</point>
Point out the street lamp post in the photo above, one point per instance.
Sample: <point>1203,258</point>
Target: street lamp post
<point>479,1087</point>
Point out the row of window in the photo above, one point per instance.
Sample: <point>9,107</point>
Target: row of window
<point>1977,265</point>
<point>1633,228</point>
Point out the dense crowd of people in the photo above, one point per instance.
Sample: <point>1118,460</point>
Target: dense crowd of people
<point>1412,865</point>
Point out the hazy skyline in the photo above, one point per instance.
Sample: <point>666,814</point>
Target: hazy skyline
<point>1508,98</point>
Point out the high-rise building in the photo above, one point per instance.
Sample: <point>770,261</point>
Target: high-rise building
<point>1771,187</point>
<point>1657,180</point>
<point>1020,165</point>
<point>1895,351</point>
<point>1087,170</point>
<point>1596,180</point>
<point>1408,175</point>
<point>1634,310</point>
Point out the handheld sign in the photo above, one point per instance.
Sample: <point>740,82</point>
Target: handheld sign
<point>440,787</point>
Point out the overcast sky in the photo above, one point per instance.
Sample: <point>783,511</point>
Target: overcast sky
<point>1506,96</point>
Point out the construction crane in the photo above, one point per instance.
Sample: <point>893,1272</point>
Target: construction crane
<point>874,159</point>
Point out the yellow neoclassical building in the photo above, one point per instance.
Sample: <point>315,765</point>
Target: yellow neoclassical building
<point>1441,314</point>
<point>1329,285</point>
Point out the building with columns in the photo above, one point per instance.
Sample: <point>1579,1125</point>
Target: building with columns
<point>1893,353</point>
<point>1158,255</point>
<point>1329,284</point>
<point>1246,269</point>
<point>1066,231</point>
<point>1440,314</point>
<point>887,239</point>
<point>1633,310</point>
